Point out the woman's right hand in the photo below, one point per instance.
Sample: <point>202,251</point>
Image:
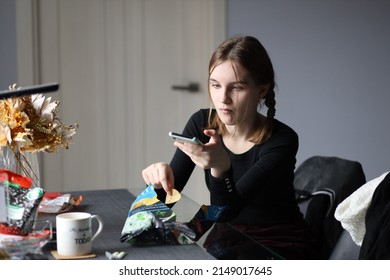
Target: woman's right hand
<point>160,175</point>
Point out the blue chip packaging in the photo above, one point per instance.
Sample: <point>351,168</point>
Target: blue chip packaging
<point>151,221</point>
<point>146,218</point>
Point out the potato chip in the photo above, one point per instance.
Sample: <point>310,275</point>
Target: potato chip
<point>172,198</point>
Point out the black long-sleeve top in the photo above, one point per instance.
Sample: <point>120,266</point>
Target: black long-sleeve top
<point>259,186</point>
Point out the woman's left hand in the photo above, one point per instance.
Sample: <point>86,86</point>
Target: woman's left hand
<point>210,155</point>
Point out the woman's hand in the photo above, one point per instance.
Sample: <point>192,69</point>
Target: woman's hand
<point>160,175</point>
<point>208,156</point>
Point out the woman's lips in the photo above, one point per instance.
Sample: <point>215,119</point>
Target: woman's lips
<point>225,110</point>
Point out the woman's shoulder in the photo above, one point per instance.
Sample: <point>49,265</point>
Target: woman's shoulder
<point>279,125</point>
<point>282,136</point>
<point>282,129</point>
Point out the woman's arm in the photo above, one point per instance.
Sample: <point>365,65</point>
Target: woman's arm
<point>181,164</point>
<point>268,178</point>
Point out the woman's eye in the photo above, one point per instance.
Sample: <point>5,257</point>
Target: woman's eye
<point>215,86</point>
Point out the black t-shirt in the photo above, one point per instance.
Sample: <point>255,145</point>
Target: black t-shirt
<point>259,186</point>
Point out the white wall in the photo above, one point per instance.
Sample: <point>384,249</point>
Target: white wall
<point>333,72</point>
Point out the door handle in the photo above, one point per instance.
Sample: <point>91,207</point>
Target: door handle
<point>192,87</point>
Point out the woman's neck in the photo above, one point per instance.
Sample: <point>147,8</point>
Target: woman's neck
<point>245,130</point>
<point>238,138</point>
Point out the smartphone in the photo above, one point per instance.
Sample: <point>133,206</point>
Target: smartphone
<point>181,138</point>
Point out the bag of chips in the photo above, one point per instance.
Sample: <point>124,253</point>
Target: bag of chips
<point>22,202</point>
<point>151,221</point>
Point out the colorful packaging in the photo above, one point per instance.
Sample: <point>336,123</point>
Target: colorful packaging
<point>146,218</point>
<point>22,202</point>
<point>151,221</point>
<point>3,203</point>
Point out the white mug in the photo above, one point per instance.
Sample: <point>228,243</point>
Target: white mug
<point>74,233</point>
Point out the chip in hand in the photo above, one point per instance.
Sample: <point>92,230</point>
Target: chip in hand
<point>172,198</point>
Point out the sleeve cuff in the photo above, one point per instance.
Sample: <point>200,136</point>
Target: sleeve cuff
<point>222,189</point>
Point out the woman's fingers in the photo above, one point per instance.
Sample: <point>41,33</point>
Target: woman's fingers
<point>160,175</point>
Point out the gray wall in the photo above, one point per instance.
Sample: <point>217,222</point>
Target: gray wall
<point>332,61</point>
<point>8,73</point>
<point>333,70</point>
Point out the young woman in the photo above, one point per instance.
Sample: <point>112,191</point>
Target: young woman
<point>248,158</point>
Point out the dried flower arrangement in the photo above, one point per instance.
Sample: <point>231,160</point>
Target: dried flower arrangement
<point>30,124</point>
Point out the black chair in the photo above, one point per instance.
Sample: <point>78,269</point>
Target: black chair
<point>345,248</point>
<point>321,183</point>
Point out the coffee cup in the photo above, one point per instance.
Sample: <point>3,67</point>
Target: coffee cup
<point>75,234</point>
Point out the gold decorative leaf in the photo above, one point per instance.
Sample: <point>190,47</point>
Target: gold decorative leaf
<point>30,123</point>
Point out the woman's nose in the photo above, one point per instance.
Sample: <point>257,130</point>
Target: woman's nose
<point>225,96</point>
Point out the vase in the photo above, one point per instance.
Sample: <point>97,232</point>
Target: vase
<point>23,163</point>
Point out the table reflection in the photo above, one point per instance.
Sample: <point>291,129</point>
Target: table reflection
<point>223,241</point>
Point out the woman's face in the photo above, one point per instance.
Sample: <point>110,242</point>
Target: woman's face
<point>234,94</point>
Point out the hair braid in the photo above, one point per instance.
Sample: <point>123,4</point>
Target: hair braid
<point>270,103</point>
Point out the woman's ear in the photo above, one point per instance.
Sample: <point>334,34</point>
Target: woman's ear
<point>263,91</point>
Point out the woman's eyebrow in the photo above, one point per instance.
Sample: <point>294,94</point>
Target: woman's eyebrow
<point>234,83</point>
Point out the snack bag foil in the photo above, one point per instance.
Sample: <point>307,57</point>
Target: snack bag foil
<point>151,221</point>
<point>22,202</point>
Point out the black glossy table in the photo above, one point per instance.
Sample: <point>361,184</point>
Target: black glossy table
<point>223,241</point>
<point>113,206</point>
